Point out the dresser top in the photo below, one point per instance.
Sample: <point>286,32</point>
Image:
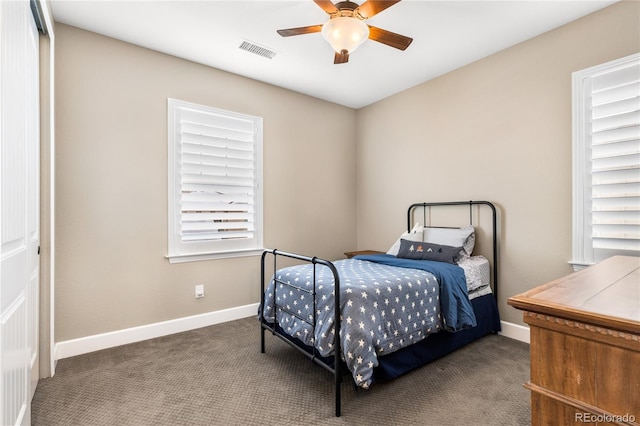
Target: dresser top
<point>606,294</point>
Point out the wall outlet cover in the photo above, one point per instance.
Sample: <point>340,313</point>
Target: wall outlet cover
<point>199,291</point>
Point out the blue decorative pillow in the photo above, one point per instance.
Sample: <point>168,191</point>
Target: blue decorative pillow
<point>428,251</point>
<point>415,235</point>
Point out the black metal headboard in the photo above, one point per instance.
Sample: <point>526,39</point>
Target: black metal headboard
<point>424,206</point>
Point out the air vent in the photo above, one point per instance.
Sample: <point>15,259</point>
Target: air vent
<point>256,49</point>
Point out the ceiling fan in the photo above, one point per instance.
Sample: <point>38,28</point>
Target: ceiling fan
<point>346,30</point>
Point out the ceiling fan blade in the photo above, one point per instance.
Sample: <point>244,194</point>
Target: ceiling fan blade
<point>300,30</point>
<point>341,57</point>
<point>390,39</point>
<point>372,7</point>
<point>327,6</point>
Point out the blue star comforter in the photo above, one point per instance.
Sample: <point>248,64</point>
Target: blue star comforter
<point>386,303</point>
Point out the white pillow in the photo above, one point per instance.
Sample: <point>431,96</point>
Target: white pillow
<point>464,237</point>
<point>414,235</point>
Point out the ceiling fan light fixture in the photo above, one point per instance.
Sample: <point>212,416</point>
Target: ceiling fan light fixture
<point>345,33</point>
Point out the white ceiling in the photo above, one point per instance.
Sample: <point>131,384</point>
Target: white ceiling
<point>447,35</point>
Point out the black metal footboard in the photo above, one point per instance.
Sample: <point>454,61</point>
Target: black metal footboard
<point>336,368</point>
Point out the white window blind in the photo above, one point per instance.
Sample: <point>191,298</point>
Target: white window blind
<point>215,189</point>
<point>607,182</point>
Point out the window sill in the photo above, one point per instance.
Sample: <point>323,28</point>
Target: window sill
<point>578,265</point>
<point>196,257</point>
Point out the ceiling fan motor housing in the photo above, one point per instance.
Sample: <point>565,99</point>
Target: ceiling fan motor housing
<point>347,9</point>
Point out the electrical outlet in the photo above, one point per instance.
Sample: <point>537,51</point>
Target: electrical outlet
<point>199,291</point>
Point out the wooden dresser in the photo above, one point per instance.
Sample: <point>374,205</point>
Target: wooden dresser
<point>585,345</point>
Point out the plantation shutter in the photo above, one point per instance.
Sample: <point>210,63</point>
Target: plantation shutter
<point>216,177</point>
<point>214,181</point>
<point>615,159</point>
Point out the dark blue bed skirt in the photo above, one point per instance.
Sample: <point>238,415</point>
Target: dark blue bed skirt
<point>439,344</point>
<point>431,348</point>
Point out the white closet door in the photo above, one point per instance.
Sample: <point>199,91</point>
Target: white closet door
<point>19,211</point>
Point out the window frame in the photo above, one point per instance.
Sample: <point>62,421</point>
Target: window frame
<point>583,251</point>
<point>180,251</point>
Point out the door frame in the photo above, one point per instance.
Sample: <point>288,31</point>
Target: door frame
<point>47,188</point>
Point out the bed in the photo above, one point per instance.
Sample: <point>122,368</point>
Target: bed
<point>427,296</point>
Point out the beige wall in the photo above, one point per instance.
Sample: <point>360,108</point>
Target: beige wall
<point>499,130</point>
<point>111,183</point>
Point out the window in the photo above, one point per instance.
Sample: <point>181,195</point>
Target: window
<point>215,183</point>
<point>606,161</point>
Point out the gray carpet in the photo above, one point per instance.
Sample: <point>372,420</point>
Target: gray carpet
<point>217,376</point>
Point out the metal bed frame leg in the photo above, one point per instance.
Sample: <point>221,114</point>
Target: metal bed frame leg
<point>262,343</point>
<point>336,370</point>
<point>337,367</point>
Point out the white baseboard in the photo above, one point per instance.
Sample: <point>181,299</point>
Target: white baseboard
<point>515,331</point>
<point>83,345</point>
